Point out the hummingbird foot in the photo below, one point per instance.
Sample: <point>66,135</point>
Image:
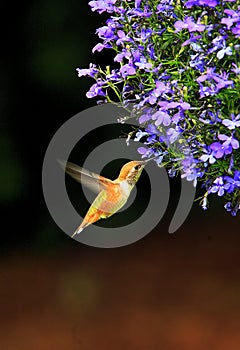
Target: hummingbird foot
<point>77,231</point>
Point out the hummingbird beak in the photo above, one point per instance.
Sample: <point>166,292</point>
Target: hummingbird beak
<point>148,160</point>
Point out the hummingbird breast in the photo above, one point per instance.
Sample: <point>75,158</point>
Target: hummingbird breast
<point>125,188</point>
<point>111,200</point>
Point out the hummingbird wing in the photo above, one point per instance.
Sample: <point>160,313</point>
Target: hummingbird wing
<point>94,182</point>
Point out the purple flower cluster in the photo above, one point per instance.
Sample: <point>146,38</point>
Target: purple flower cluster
<point>178,67</point>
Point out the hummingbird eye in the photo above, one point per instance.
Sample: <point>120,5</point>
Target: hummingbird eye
<point>137,167</point>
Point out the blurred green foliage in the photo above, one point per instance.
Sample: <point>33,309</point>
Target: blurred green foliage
<point>59,44</point>
<point>40,90</point>
<point>12,175</point>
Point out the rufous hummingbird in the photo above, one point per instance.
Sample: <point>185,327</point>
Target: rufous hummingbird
<point>112,194</point>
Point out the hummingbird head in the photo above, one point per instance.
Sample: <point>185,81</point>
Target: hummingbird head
<point>131,171</point>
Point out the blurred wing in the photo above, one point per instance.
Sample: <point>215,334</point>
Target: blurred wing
<point>94,182</point>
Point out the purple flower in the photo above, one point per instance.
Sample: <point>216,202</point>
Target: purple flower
<point>127,69</point>
<point>137,3</point>
<point>142,150</point>
<point>142,13</point>
<point>224,51</point>
<point>233,209</point>
<point>121,55</point>
<point>145,152</point>
<point>219,150</point>
<point>231,164</point>
<point>236,69</point>
<point>144,35</point>
<point>237,175</point>
<point>209,157</point>
<point>209,74</point>
<point>218,186</point>
<point>232,183</point>
<point>189,24</point>
<point>161,118</point>
<point>140,134</point>
<point>113,76</point>
<point>166,8</point>
<point>229,141</point>
<point>232,124</point>
<point>198,62</point>
<point>99,47</point>
<point>105,32</point>
<point>102,5</point>
<point>215,82</point>
<point>204,203</point>
<point>151,139</point>
<point>173,135</point>
<point>122,37</point>
<point>151,52</point>
<point>189,170</point>
<point>91,71</point>
<point>160,89</point>
<point>151,129</point>
<point>144,118</point>
<point>233,17</point>
<point>222,80</point>
<point>228,22</point>
<point>143,65</point>
<point>96,90</point>
<point>192,40</point>
<point>210,3</point>
<point>140,61</point>
<point>184,105</point>
<point>236,30</point>
<point>217,44</point>
<point>209,117</point>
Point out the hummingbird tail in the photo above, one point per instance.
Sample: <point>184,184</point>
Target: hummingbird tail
<point>78,230</point>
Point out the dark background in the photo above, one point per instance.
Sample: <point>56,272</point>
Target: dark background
<point>177,291</point>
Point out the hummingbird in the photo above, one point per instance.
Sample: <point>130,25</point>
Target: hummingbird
<point>112,194</point>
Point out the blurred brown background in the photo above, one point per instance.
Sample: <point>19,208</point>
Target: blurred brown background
<point>179,291</point>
